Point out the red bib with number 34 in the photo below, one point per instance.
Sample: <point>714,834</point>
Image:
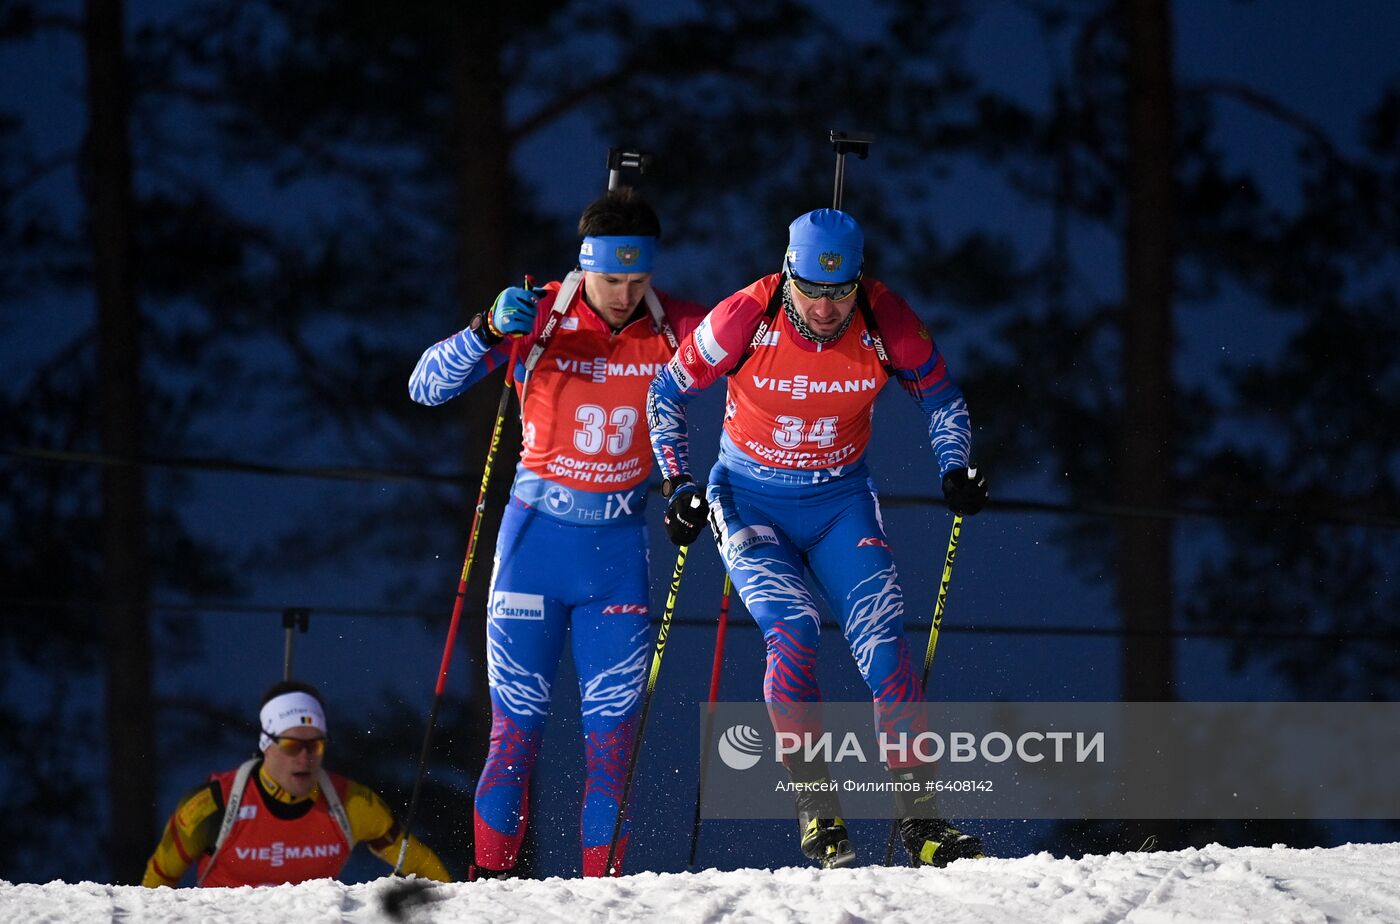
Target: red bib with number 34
<point>794,404</point>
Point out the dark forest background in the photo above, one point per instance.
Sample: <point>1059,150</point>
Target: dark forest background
<point>1181,362</point>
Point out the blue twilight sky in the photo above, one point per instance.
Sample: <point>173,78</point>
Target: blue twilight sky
<point>1328,62</point>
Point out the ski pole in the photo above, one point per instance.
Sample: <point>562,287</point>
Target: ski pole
<point>710,714</point>
<point>501,407</point>
<point>942,601</point>
<point>293,617</point>
<point>938,607</point>
<point>646,705</point>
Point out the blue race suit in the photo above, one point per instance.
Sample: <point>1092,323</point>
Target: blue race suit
<point>791,489</point>
<point>571,552</point>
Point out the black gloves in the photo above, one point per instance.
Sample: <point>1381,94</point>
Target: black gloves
<point>685,513</point>
<point>965,490</point>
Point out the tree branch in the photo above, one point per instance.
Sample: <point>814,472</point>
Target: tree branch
<point>22,20</point>
<point>1269,106</point>
<point>39,170</point>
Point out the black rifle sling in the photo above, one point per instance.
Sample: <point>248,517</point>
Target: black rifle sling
<point>770,314</point>
<point>765,324</point>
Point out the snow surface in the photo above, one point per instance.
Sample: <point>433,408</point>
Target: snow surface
<point>1279,885</point>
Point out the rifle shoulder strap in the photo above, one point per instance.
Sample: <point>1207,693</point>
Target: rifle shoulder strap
<point>333,806</point>
<point>868,315</point>
<point>235,799</point>
<point>658,317</point>
<point>562,299</point>
<point>765,324</point>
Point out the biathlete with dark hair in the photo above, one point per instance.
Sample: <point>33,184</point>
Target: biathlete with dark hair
<point>572,548</point>
<point>806,351</point>
<point>281,818</point>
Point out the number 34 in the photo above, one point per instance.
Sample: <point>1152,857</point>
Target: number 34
<point>792,431</point>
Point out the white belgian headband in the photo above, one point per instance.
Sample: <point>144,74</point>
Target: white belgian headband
<point>288,711</point>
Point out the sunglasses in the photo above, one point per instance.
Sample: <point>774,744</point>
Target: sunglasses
<point>837,292</point>
<point>294,746</point>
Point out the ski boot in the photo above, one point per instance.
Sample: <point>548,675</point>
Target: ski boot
<point>934,842</point>
<point>931,841</point>
<point>826,841</point>
<point>822,831</point>
<point>476,873</point>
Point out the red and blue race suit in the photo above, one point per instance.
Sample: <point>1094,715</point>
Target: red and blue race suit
<point>791,488</point>
<point>571,552</point>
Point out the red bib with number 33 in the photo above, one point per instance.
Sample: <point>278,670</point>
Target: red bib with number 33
<point>584,404</point>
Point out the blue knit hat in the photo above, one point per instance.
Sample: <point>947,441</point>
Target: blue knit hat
<point>825,246</point>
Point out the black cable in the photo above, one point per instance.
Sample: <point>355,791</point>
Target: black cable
<point>708,622</point>
<point>1292,516</point>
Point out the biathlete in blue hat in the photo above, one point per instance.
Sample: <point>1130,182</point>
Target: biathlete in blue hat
<point>806,351</point>
<point>572,546</point>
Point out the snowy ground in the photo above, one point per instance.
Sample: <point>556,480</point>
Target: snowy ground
<point>1357,882</point>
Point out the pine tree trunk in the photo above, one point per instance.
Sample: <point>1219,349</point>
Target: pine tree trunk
<point>129,725</point>
<point>485,256</point>
<point>1147,448</point>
